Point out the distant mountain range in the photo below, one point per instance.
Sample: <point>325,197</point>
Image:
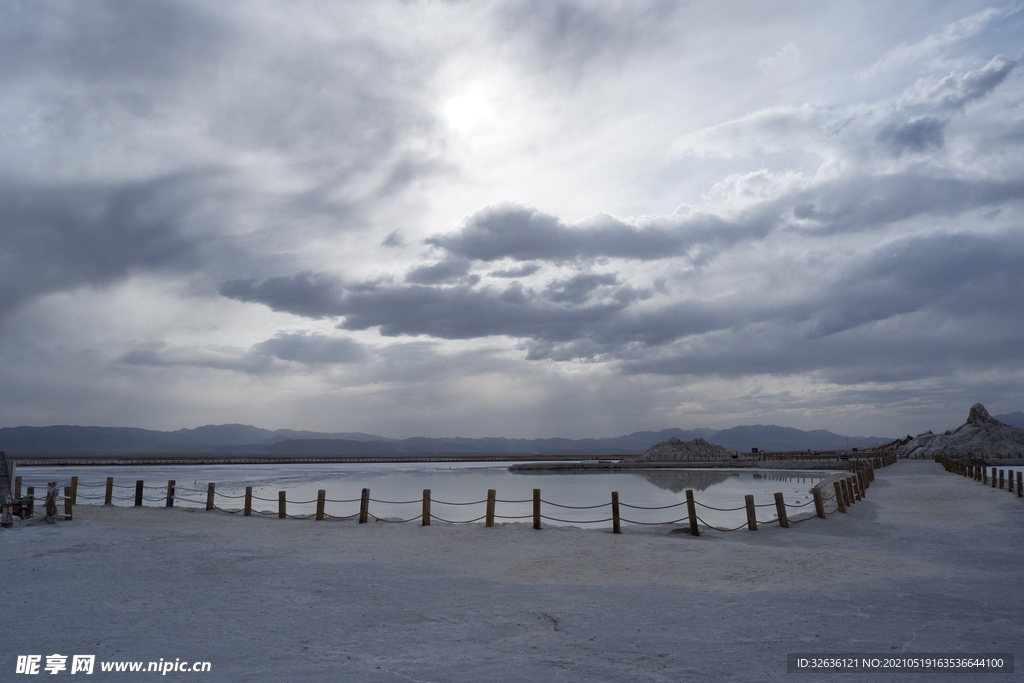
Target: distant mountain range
<point>1013,419</point>
<point>237,438</point>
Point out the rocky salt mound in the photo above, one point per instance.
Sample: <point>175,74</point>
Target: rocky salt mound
<point>982,436</point>
<point>676,449</point>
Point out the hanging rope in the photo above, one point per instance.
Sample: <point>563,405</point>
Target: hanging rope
<point>442,502</point>
<point>674,521</point>
<point>576,507</point>
<point>742,507</point>
<point>575,521</point>
<point>449,521</point>
<point>659,507</point>
<point>710,526</point>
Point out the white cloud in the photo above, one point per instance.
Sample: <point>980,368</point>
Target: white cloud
<point>956,90</point>
<point>788,55</point>
<point>930,49</point>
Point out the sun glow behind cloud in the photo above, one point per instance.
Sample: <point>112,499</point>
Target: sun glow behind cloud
<point>469,111</point>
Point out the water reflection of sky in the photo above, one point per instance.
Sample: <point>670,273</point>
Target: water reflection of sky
<point>452,483</point>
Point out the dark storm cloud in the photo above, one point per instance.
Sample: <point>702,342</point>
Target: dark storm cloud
<point>132,99</point>
<point>926,305</point>
<point>108,41</point>
<point>905,349</point>
<point>450,312</point>
<point>464,312</point>
<point>307,349</point>
<point>522,271</point>
<point>394,239</point>
<point>861,202</point>
<point>523,233</point>
<point>578,288</point>
<point>311,349</point>
<point>57,237</point>
<point>311,295</point>
<point>439,273</point>
<point>943,276</point>
<point>854,202</point>
<point>918,135</point>
<point>163,355</point>
<point>955,276</point>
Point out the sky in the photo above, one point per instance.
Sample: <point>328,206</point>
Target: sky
<point>521,218</point>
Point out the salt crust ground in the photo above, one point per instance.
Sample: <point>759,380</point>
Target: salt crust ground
<point>930,562</point>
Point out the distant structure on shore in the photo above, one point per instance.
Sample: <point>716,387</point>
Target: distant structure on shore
<point>676,449</point>
<point>982,436</point>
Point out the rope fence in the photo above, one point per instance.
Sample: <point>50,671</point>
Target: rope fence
<point>832,495</point>
<point>996,479</point>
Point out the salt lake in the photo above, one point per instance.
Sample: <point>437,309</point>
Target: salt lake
<point>392,484</point>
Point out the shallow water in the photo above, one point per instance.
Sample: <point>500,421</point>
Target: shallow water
<point>391,484</point>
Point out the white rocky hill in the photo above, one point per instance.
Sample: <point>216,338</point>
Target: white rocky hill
<point>982,436</point>
<point>676,449</point>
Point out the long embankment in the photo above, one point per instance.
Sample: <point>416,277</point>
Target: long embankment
<point>631,465</point>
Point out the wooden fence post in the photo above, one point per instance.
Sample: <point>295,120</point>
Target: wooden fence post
<point>138,493</point>
<point>819,504</point>
<point>1002,478</point>
<point>840,496</point>
<point>984,474</point>
<point>993,477</point>
<point>1020,484</point>
<point>31,493</point>
<point>691,512</point>
<point>536,508</point>
<point>364,506</point>
<point>170,493</point>
<point>108,495</point>
<point>780,508</point>
<point>616,528</point>
<point>854,487</point>
<point>489,519</point>
<point>282,505</point>
<point>69,500</point>
<point>748,501</point>
<point>847,492</point>
<point>321,503</point>
<point>51,501</point>
<point>426,507</point>
<point>211,491</point>
<point>74,491</point>
<point>247,510</point>
<point>17,486</point>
